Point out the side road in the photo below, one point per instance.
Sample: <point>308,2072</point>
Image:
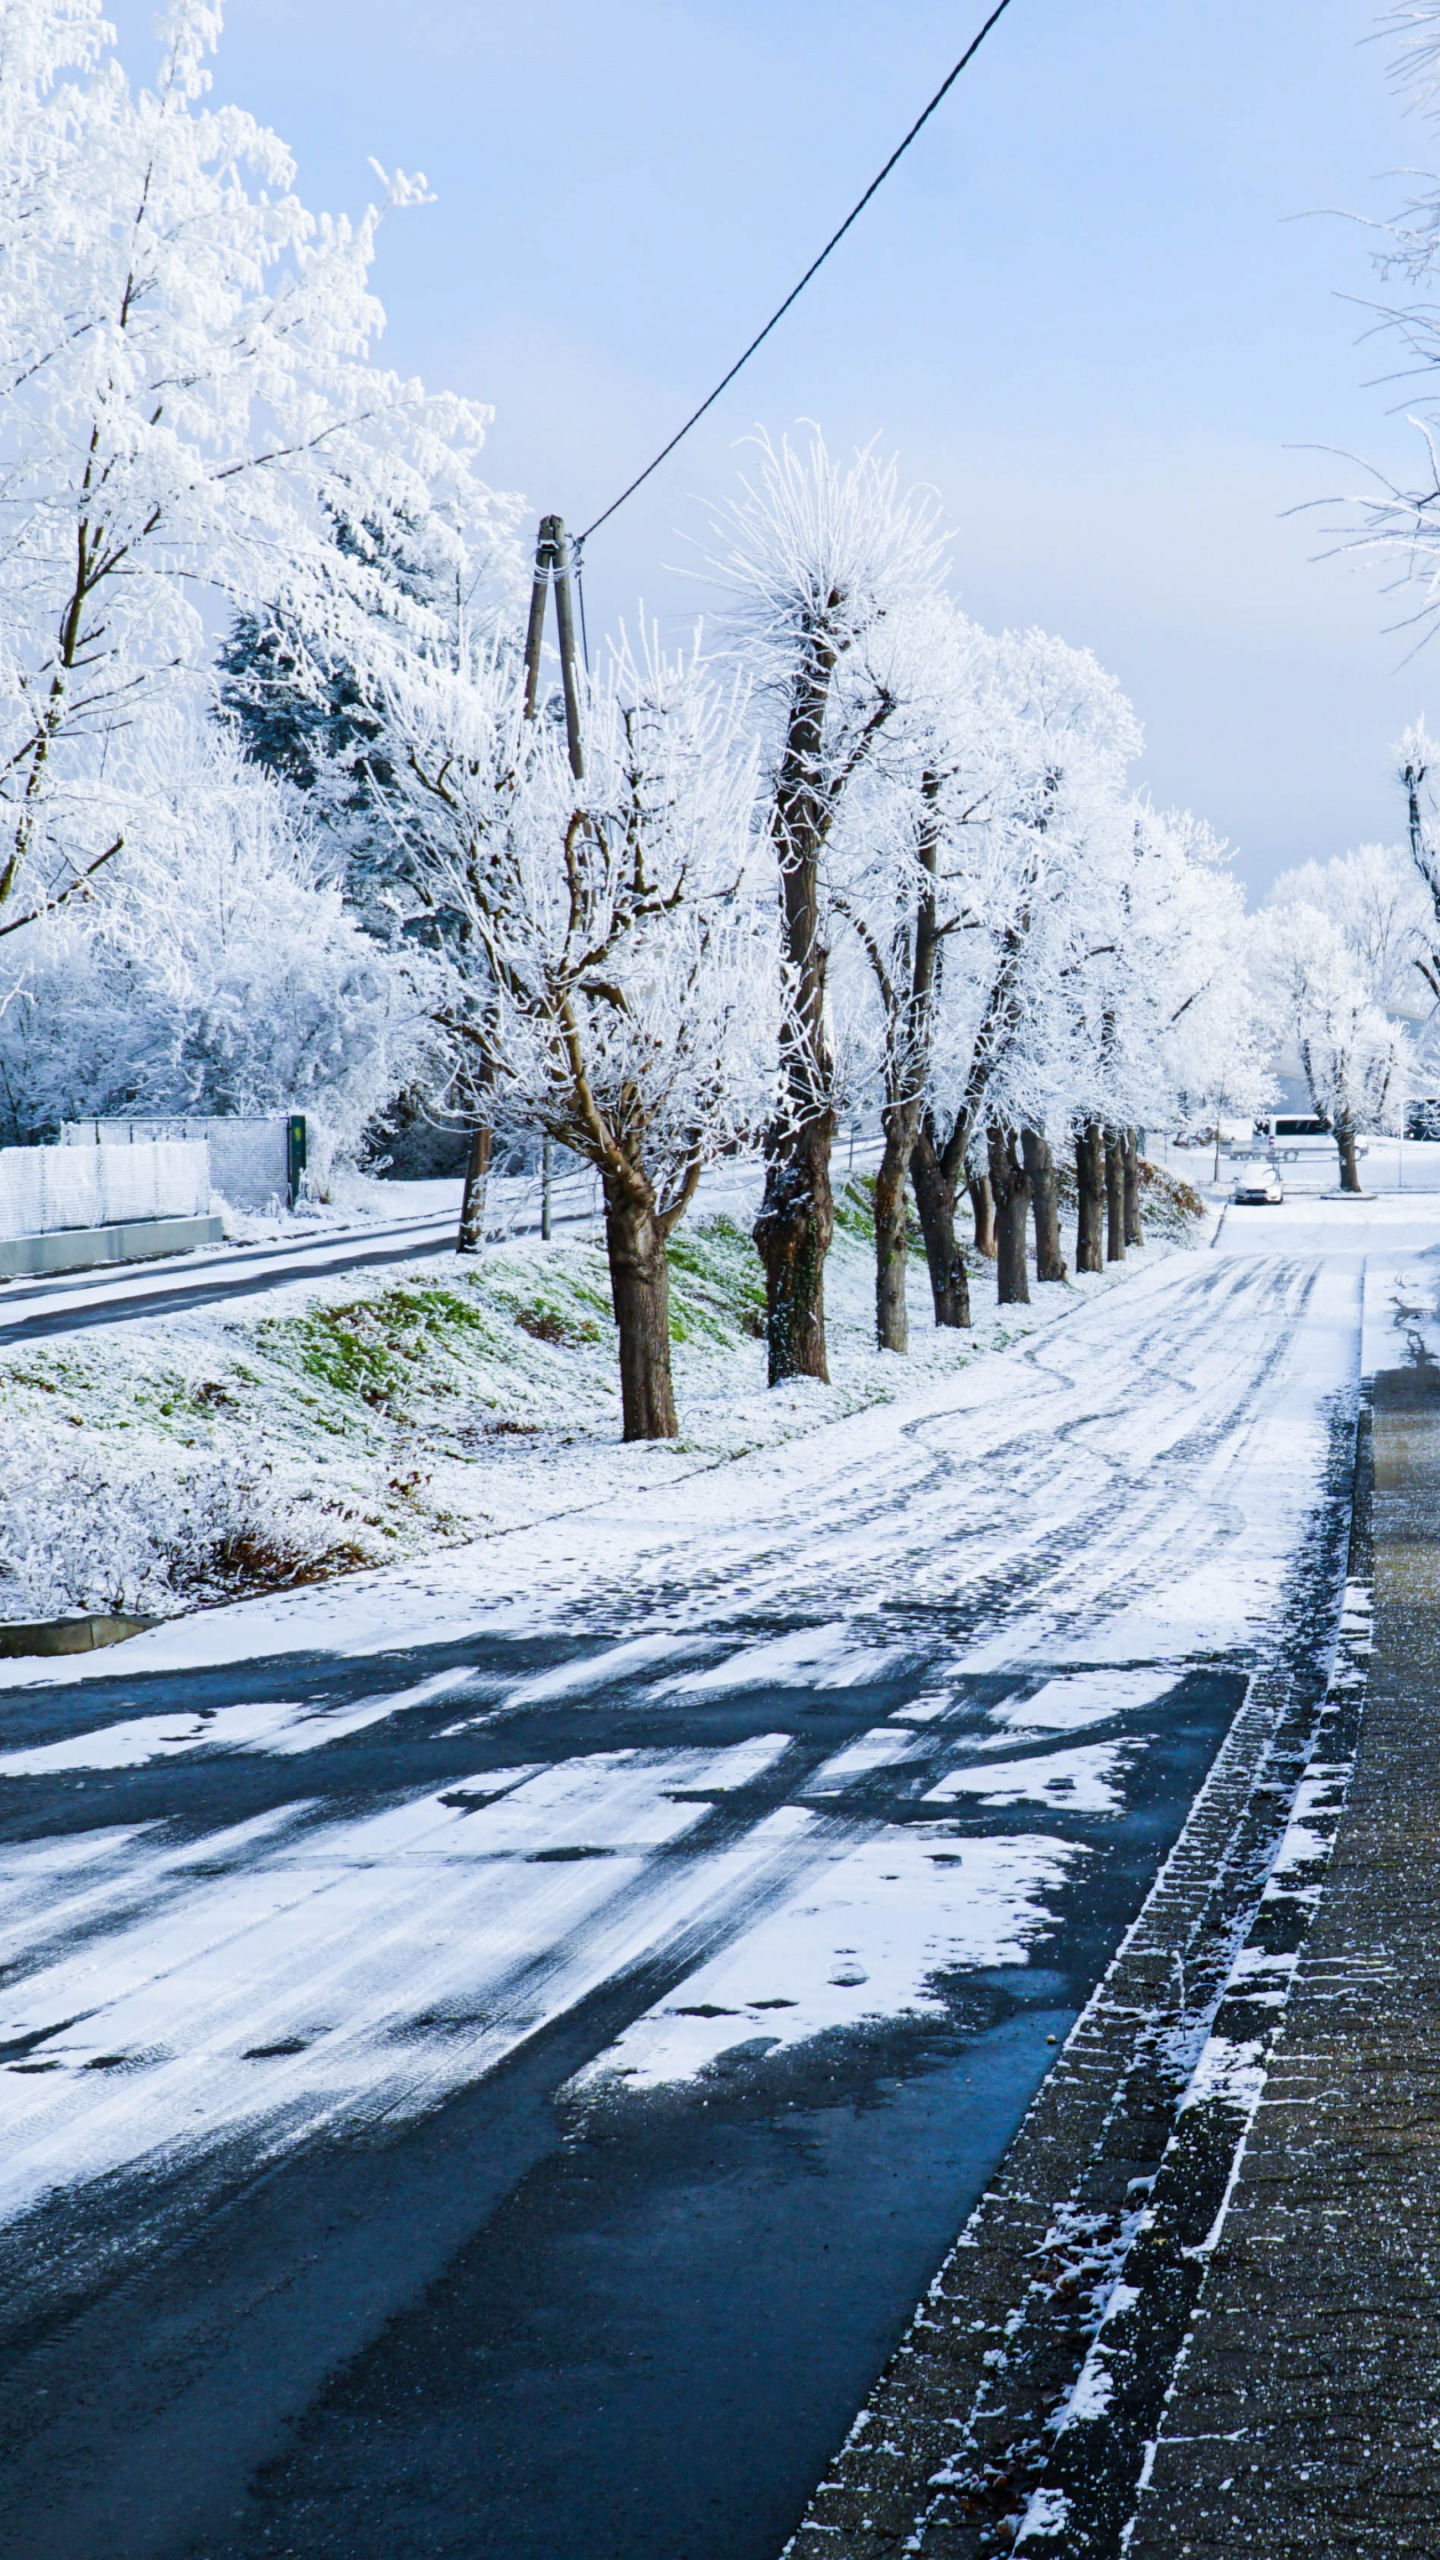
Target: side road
<point>1197,2313</point>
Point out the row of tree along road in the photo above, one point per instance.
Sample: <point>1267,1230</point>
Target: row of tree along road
<point>843,849</point>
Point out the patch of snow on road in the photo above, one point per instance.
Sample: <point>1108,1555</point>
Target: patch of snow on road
<point>1078,1698</point>
<point>282,1726</point>
<point>742,1762</point>
<point>812,1658</point>
<point>341,1970</point>
<point>596,1670</point>
<point>877,1749</point>
<point>1046,2516</point>
<point>858,1941</point>
<point>1083,1781</point>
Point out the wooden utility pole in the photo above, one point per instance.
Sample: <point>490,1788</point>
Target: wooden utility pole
<point>552,569</point>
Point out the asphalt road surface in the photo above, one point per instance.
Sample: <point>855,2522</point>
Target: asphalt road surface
<point>505,2096</point>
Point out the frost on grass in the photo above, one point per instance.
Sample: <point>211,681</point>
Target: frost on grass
<point>90,1526</point>
<point>331,1426</point>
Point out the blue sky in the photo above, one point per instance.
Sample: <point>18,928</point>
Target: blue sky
<point>1101,307</point>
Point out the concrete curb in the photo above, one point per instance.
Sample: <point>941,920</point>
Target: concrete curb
<point>70,1635</point>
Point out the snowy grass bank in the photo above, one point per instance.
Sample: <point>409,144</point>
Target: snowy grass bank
<point>198,1458</point>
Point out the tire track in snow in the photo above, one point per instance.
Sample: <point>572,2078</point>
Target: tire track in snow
<point>1021,1523</point>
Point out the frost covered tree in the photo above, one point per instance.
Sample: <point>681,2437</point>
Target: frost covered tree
<point>1418,778</point>
<point>893,877</point>
<point>1353,1058</point>
<point>228,976</point>
<point>186,394</point>
<point>818,559</point>
<point>1198,1044</point>
<point>1017,1042</point>
<point>1382,899</point>
<point>1400,519</point>
<point>612,980</point>
<point>304,704</point>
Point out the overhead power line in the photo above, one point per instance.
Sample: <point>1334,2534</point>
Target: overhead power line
<point>812,270</point>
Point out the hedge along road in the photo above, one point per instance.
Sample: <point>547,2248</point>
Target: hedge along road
<point>501,2086</point>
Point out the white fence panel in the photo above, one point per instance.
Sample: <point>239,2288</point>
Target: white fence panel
<point>46,1189</point>
<point>250,1160</point>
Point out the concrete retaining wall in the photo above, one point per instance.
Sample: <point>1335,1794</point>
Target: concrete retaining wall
<point>81,1248</point>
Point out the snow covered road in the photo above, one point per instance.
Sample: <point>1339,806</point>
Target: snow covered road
<point>505,2045</point>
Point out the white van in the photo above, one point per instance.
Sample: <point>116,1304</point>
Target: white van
<point>1292,1140</point>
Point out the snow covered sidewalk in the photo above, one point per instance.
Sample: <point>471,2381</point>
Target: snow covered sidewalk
<point>1303,2416</point>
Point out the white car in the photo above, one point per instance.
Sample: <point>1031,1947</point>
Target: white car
<point>1258,1182</point>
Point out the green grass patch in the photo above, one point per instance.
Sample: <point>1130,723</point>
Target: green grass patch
<point>717,1285</point>
<point>855,1215</point>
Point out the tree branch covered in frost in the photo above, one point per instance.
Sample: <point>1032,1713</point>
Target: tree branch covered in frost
<point>187,407</point>
<point>1353,1058</point>
<point>1402,522</point>
<point>223,973</point>
<point>610,978</point>
<point>824,566</point>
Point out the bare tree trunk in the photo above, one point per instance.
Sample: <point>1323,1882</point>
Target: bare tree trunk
<point>982,1203</point>
<point>1045,1203</point>
<point>1090,1183</point>
<point>792,1235</point>
<point>1010,1188</point>
<point>935,1201</point>
<point>797,1214</point>
<point>640,1295</point>
<point>472,1203</point>
<point>1134,1232</point>
<point>1349,1161</point>
<point>1114,1197</point>
<point>892,1324</point>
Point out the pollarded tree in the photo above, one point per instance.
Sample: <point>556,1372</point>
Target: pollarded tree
<point>1041,890</point>
<point>909,867</point>
<point>612,981</point>
<point>819,561</point>
<point>1353,1058</point>
<point>185,391</point>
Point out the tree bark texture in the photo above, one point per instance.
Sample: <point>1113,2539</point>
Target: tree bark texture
<point>640,1295</point>
<point>1010,1189</point>
<point>1090,1185</point>
<point>982,1205</point>
<point>1134,1232</point>
<point>892,1324</point>
<point>1045,1205</point>
<point>1349,1160</point>
<point>797,1213</point>
<point>1114,1197</point>
<point>935,1200</point>
<point>907,994</point>
<point>792,1236</point>
<point>472,1203</point>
